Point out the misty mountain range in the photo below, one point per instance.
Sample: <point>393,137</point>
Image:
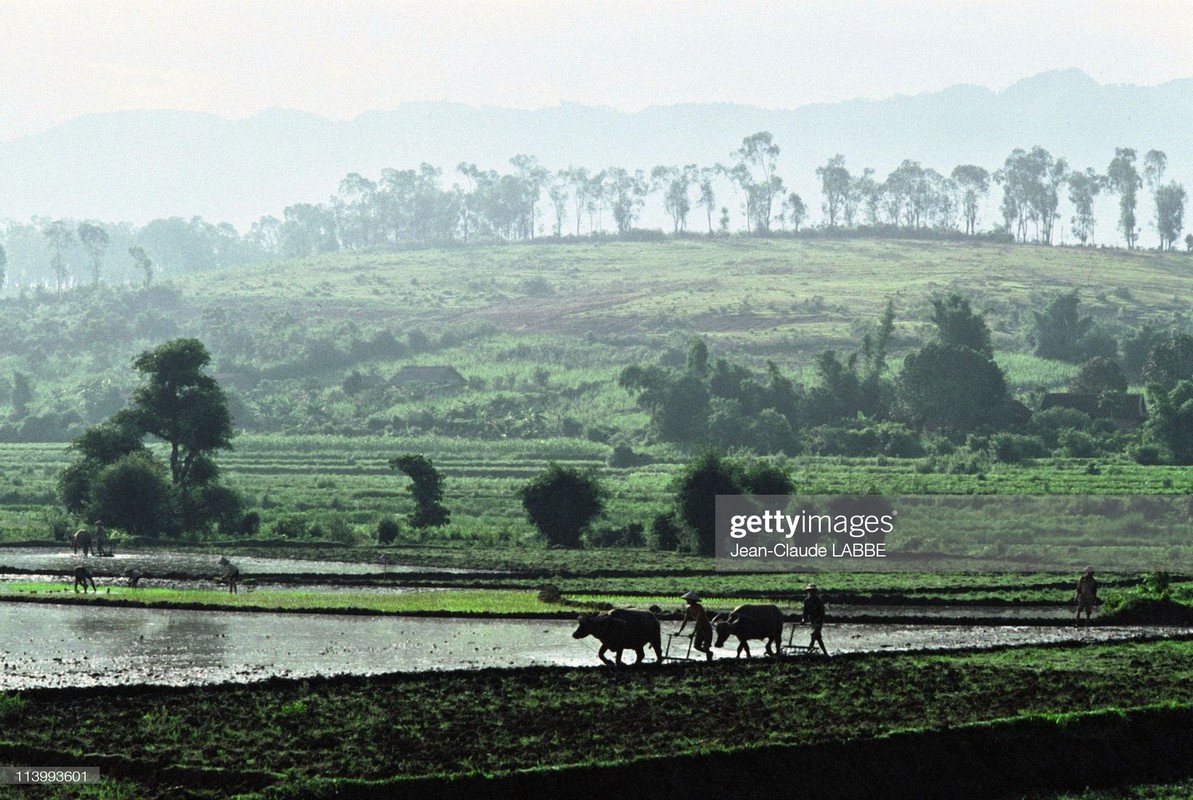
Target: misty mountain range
<point>138,165</point>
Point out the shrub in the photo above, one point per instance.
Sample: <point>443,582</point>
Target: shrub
<point>664,533</point>
<point>1148,455</point>
<point>291,526</point>
<point>388,530</point>
<point>1012,448</point>
<point>629,536</point>
<point>1078,444</point>
<point>561,501</point>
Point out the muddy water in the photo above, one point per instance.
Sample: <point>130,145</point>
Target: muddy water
<point>48,645</point>
<point>196,564</point>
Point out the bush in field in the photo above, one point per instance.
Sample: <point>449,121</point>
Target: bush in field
<point>561,502</point>
<point>291,526</point>
<point>624,456</point>
<point>388,530</point>
<point>426,488</point>
<point>631,535</point>
<point>1013,448</point>
<point>695,499</point>
<point>872,439</point>
<point>1048,424</point>
<point>664,532</point>
<point>1078,444</point>
<point>1148,455</point>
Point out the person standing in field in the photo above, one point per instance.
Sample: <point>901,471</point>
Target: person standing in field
<point>1087,596</point>
<point>101,538</point>
<point>695,613</point>
<point>814,616</point>
<point>230,574</point>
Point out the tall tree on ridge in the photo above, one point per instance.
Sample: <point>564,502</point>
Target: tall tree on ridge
<point>1123,179</point>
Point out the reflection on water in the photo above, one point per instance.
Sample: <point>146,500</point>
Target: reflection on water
<point>60,645</point>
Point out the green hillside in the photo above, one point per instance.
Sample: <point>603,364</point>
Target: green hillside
<point>545,329</point>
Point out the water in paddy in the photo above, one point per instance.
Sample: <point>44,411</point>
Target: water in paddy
<point>195,564</point>
<point>60,645</point>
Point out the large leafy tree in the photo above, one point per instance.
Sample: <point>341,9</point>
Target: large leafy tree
<point>953,387</point>
<point>561,502</point>
<point>117,479</point>
<point>181,404</point>
<point>709,475</point>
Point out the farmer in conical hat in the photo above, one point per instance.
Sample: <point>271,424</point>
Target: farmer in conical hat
<point>1087,596</point>
<point>695,613</point>
<point>814,616</point>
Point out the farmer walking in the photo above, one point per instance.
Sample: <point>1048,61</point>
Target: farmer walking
<point>695,613</point>
<point>1087,596</point>
<point>814,616</point>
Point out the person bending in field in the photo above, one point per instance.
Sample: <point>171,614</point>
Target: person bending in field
<point>133,576</point>
<point>1087,596</point>
<point>82,578</point>
<point>814,616</point>
<point>695,613</point>
<point>230,574</point>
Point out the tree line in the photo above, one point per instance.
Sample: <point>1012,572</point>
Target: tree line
<point>416,207</point>
<point>948,402</point>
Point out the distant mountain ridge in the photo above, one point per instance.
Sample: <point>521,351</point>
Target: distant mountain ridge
<point>138,165</point>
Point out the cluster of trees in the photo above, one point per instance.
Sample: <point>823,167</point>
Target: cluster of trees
<point>414,207</point>
<point>120,481</point>
<point>61,254</point>
<point>563,503</point>
<point>947,393</point>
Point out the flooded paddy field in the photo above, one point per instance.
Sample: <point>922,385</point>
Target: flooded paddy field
<point>162,562</point>
<point>48,645</point>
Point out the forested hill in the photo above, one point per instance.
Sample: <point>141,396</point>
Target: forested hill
<point>541,332</point>
<point>139,165</point>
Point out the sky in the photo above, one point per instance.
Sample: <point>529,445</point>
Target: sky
<point>338,58</point>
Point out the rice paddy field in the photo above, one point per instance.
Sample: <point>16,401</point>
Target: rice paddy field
<point>539,334</point>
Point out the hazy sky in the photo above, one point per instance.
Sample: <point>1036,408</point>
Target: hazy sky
<point>60,59</point>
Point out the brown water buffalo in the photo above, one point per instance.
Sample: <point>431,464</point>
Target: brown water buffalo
<point>622,629</point>
<point>751,622</point>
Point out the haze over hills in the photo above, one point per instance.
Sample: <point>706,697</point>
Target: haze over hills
<point>138,165</point>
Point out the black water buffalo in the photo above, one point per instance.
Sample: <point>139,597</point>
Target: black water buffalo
<point>751,622</point>
<point>622,629</point>
<point>81,540</point>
